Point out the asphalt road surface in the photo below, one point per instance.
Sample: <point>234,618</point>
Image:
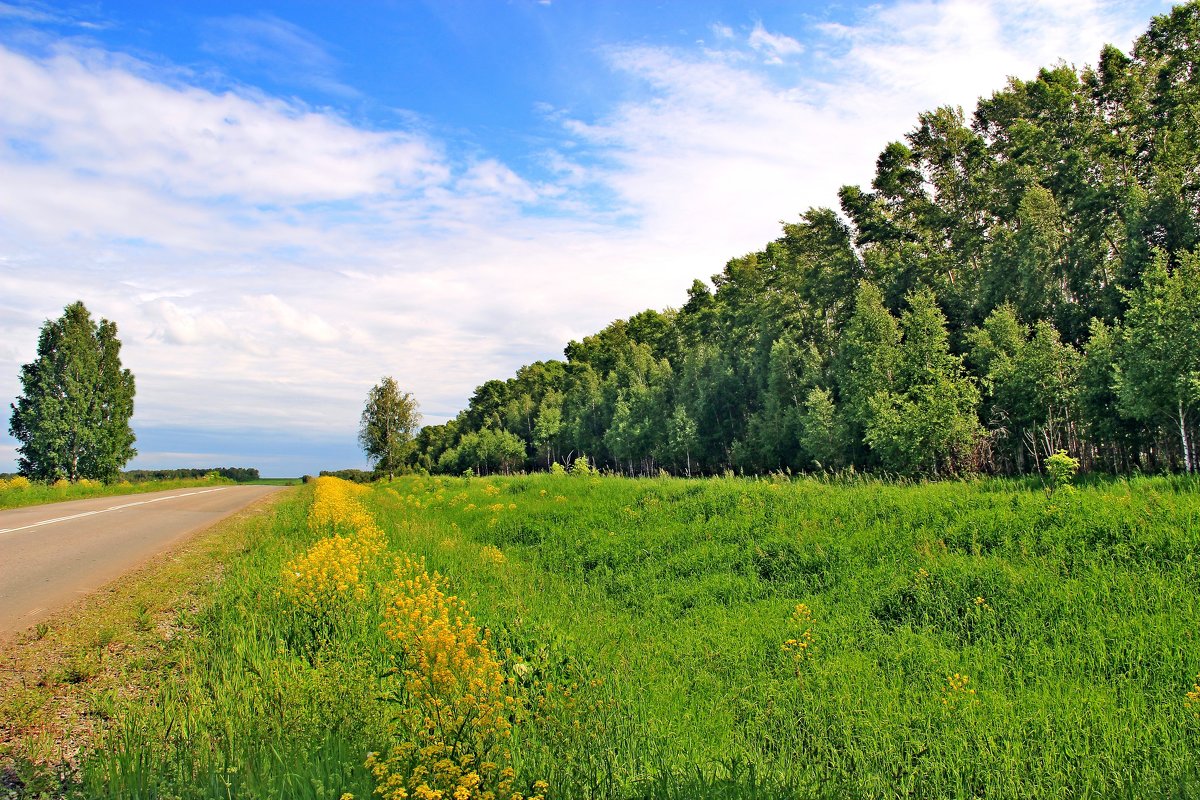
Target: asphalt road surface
<point>50,555</point>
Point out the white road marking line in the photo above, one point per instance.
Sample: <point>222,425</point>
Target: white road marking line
<point>106,510</point>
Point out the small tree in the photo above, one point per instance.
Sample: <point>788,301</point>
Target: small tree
<point>1061,469</point>
<point>1158,373</point>
<point>823,434</point>
<point>72,418</point>
<point>388,426</point>
<point>929,426</point>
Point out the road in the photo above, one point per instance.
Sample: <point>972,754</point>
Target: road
<point>52,554</point>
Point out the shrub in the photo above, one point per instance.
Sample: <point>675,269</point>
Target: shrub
<point>1061,469</point>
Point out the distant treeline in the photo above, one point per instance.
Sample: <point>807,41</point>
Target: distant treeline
<point>1019,282</point>
<point>239,474</point>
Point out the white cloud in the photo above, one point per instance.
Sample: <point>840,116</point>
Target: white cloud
<point>940,52</point>
<point>722,148</point>
<point>775,47</point>
<point>493,178</point>
<point>267,262</point>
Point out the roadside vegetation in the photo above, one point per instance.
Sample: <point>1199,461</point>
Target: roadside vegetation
<point>19,491</point>
<point>62,682</point>
<point>664,638</point>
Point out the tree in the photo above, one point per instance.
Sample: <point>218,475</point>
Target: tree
<point>868,358</point>
<point>388,426</point>
<point>823,434</point>
<point>72,418</point>
<point>1159,369</point>
<point>1032,382</point>
<point>928,425</point>
<point>548,425</point>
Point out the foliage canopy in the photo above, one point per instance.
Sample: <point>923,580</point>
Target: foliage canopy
<point>388,425</point>
<point>72,418</point>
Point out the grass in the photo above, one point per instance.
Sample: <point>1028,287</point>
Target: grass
<point>62,683</point>
<point>719,638</point>
<point>17,493</point>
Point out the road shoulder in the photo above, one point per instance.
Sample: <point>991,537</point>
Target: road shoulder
<point>58,680</point>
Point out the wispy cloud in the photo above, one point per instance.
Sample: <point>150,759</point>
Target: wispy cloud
<point>43,14</point>
<point>279,49</point>
<point>717,144</point>
<point>775,47</point>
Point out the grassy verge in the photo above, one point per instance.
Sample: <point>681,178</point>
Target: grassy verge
<point>62,685</point>
<point>17,492</point>
<point>753,638</point>
<point>685,639</point>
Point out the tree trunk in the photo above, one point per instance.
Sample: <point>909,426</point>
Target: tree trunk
<point>1183,436</point>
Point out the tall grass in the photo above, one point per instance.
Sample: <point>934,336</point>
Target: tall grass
<point>18,492</point>
<point>959,640</point>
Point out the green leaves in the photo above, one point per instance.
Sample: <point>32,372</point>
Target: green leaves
<point>1048,238</point>
<point>72,417</point>
<point>388,426</point>
<point>1159,368</point>
<point>926,422</point>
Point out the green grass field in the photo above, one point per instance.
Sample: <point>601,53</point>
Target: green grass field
<point>718,638</point>
<point>17,492</point>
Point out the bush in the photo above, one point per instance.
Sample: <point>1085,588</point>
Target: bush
<point>582,467</point>
<point>1061,469</point>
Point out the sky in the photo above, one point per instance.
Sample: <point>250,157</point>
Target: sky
<point>280,203</point>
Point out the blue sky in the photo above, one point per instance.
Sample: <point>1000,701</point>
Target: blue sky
<point>279,203</point>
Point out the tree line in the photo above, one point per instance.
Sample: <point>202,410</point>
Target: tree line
<point>1022,282</point>
<point>239,474</point>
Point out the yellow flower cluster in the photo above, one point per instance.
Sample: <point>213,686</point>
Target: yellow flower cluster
<point>493,554</point>
<point>336,507</point>
<point>332,571</point>
<point>1193,698</point>
<point>800,645</point>
<point>956,692</point>
<point>456,712</point>
<point>455,721</point>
